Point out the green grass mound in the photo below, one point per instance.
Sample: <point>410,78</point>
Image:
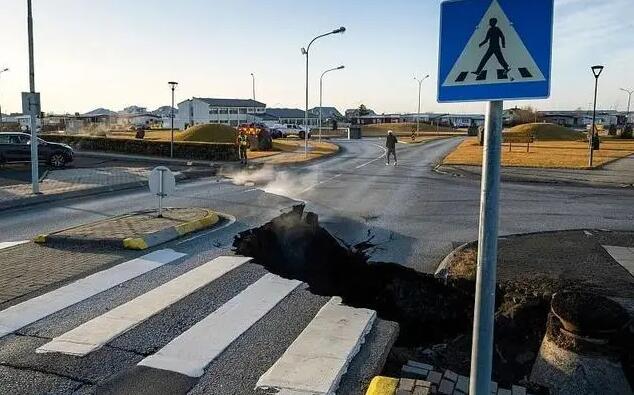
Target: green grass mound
<point>546,132</point>
<point>211,133</point>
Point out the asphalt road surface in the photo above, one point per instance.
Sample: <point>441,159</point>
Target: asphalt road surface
<point>414,216</point>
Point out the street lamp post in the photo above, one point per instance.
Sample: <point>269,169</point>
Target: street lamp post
<point>596,71</point>
<point>420,86</point>
<point>1,125</point>
<point>629,100</point>
<point>172,85</point>
<point>305,52</point>
<point>253,81</point>
<point>321,90</point>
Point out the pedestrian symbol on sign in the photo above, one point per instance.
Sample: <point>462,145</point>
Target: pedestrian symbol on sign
<point>495,54</point>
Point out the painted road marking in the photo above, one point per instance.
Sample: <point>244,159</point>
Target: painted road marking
<point>320,355</point>
<point>35,309</point>
<point>195,348</point>
<point>231,221</point>
<point>623,255</point>
<point>95,333</point>
<point>7,244</point>
<point>375,159</point>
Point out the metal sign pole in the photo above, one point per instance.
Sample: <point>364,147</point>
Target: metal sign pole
<point>483,321</point>
<point>160,194</point>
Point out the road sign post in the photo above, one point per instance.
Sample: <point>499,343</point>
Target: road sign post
<point>491,50</point>
<point>162,183</point>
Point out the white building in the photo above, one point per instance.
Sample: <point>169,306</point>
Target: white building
<point>233,112</point>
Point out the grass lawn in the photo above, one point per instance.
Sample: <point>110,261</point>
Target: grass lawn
<point>405,129</point>
<point>553,154</point>
<point>546,132</point>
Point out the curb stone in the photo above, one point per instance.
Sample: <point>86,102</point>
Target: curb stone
<point>149,240</point>
<point>442,271</point>
<point>381,385</point>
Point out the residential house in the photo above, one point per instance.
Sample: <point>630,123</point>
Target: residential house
<point>233,112</point>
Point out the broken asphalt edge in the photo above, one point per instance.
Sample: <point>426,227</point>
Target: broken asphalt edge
<point>153,239</point>
<point>381,385</point>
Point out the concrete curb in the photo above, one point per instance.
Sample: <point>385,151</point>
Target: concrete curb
<point>381,385</point>
<point>141,243</point>
<point>171,233</point>
<point>451,170</point>
<point>442,269</point>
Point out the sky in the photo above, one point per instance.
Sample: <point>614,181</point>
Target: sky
<point>116,53</point>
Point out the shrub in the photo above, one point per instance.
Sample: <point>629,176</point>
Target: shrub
<point>627,132</point>
<point>183,150</point>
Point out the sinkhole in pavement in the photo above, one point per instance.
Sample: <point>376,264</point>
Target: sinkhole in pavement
<point>435,315</point>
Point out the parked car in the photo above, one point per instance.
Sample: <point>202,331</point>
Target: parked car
<point>286,130</point>
<point>16,147</point>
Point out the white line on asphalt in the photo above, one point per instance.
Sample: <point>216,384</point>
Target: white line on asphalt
<point>318,358</point>
<point>194,349</point>
<point>623,255</point>
<point>321,182</point>
<point>95,333</point>
<point>7,244</point>
<point>374,160</point>
<point>35,309</point>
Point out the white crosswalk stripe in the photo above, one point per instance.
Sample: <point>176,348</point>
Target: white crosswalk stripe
<point>34,309</point>
<point>7,244</point>
<point>318,358</point>
<point>313,362</point>
<point>193,350</point>
<point>93,334</point>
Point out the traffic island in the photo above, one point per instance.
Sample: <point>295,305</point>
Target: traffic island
<point>135,231</point>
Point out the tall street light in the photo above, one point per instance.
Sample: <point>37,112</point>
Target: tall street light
<point>420,86</point>
<point>629,100</point>
<point>596,71</point>
<point>2,71</point>
<point>253,81</point>
<point>172,85</point>
<point>305,52</point>
<point>321,90</point>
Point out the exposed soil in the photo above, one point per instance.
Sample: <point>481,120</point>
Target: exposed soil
<point>435,316</point>
<point>294,246</point>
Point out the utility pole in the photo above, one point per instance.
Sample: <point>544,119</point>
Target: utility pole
<point>420,86</point>
<point>172,85</point>
<point>33,105</point>
<point>1,125</point>
<point>629,100</point>
<point>253,81</point>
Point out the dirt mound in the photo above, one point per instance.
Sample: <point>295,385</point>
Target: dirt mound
<point>212,133</point>
<point>546,132</point>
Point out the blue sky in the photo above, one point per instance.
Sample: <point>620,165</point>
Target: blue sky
<point>114,53</point>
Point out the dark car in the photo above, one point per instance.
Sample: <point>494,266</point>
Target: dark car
<point>16,147</point>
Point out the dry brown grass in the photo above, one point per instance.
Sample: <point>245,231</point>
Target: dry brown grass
<point>548,154</point>
<point>464,264</point>
<point>292,151</point>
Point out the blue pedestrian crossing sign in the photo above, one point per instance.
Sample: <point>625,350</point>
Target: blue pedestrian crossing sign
<point>495,50</point>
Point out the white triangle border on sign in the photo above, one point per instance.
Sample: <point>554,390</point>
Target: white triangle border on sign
<point>516,54</point>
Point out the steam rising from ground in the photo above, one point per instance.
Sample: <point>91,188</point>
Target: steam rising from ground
<point>279,182</point>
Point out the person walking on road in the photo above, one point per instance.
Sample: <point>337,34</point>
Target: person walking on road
<point>243,146</point>
<point>390,144</point>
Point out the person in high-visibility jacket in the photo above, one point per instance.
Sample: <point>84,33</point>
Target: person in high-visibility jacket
<point>243,146</point>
